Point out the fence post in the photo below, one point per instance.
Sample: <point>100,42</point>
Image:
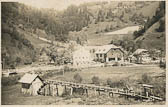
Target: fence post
<point>95,92</point>
<point>86,92</point>
<point>71,91</point>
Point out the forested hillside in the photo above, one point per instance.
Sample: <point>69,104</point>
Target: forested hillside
<point>22,23</point>
<point>19,21</point>
<point>152,35</point>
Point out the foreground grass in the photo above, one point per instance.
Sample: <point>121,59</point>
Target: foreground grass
<point>11,95</point>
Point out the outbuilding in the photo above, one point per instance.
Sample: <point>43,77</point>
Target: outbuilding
<point>31,83</point>
<point>142,56</point>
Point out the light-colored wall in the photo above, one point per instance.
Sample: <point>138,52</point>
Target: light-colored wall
<point>115,53</point>
<point>82,57</point>
<point>36,85</point>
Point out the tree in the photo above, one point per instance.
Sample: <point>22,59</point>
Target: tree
<point>77,78</point>
<point>78,41</point>
<point>106,29</point>
<point>96,80</point>
<point>18,60</point>
<point>161,26</point>
<point>146,79</point>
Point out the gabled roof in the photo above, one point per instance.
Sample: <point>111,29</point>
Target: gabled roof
<point>106,48</point>
<point>28,78</point>
<point>146,85</point>
<point>138,51</point>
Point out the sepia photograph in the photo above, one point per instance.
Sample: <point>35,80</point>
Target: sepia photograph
<point>83,52</point>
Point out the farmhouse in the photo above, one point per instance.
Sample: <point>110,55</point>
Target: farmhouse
<point>142,56</point>
<point>31,83</point>
<point>90,55</point>
<point>109,53</point>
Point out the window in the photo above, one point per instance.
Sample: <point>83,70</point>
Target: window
<point>111,59</point>
<point>24,85</point>
<point>100,55</point>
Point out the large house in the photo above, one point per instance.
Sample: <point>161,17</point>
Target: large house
<point>109,53</point>
<point>82,58</point>
<point>88,55</point>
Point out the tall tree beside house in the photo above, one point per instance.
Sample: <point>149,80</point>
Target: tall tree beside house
<point>78,41</point>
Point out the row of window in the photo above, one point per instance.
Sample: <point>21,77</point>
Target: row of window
<point>81,57</point>
<point>100,55</point>
<point>83,62</point>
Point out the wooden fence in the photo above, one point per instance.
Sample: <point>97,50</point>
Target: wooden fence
<point>57,88</point>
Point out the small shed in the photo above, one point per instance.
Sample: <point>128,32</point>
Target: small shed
<point>31,83</point>
<point>148,89</point>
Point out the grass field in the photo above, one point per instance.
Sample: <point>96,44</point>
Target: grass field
<point>11,95</point>
<point>115,73</point>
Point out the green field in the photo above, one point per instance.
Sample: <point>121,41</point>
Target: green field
<point>11,94</point>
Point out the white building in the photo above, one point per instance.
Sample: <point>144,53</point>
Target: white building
<point>82,58</point>
<point>90,55</point>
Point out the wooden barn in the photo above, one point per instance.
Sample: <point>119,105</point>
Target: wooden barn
<point>31,83</point>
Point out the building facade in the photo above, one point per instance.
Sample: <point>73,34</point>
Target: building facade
<point>82,58</point>
<point>90,55</point>
<point>142,56</point>
<point>109,53</point>
<point>31,83</point>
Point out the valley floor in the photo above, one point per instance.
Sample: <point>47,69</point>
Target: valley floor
<point>11,95</point>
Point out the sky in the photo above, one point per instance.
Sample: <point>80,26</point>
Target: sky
<point>56,4</point>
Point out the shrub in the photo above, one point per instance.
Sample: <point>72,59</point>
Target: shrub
<point>162,64</point>
<point>146,79</point>
<point>159,87</point>
<point>117,84</point>
<point>7,81</point>
<point>95,80</point>
<point>77,78</point>
<point>116,64</point>
<point>66,69</point>
<point>109,81</point>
